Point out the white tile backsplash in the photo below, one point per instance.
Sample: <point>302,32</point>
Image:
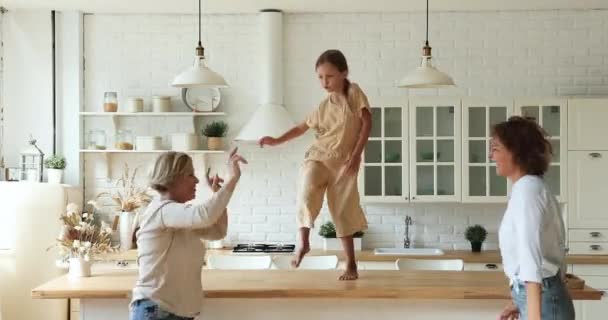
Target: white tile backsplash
<point>488,53</point>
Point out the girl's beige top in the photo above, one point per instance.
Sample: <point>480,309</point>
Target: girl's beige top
<point>337,123</point>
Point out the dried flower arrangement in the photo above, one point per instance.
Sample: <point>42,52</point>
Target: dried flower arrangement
<point>81,236</point>
<point>129,195</point>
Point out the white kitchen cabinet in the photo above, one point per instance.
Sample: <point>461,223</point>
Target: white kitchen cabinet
<point>435,149</point>
<point>551,114</point>
<point>74,309</point>
<point>595,276</point>
<point>469,266</point>
<point>384,175</point>
<point>480,182</point>
<point>588,189</point>
<point>587,129</point>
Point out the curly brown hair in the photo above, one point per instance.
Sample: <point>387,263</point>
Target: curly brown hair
<point>528,143</point>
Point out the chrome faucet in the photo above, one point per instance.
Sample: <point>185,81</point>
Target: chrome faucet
<point>406,239</point>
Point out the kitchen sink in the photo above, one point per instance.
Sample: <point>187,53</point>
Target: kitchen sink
<point>408,252</point>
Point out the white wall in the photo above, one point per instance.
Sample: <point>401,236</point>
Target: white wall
<point>69,78</point>
<point>2,98</point>
<point>489,53</point>
<point>27,82</point>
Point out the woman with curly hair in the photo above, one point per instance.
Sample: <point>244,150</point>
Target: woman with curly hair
<point>532,233</point>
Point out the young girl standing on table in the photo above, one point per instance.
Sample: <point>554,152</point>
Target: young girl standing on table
<point>342,123</point>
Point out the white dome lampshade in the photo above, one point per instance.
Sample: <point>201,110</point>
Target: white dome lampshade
<point>426,76</point>
<point>199,75</point>
<point>268,120</point>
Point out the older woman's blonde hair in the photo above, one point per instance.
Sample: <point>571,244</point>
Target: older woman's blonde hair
<point>168,167</point>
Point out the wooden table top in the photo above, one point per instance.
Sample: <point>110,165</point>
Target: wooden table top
<point>307,284</point>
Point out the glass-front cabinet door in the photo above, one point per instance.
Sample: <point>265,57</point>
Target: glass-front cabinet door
<point>480,182</point>
<point>384,174</point>
<point>551,115</point>
<point>435,145</point>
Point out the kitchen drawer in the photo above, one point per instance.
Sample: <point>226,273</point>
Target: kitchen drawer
<point>590,269</point>
<point>588,235</point>
<point>588,248</point>
<point>596,282</point>
<point>483,267</point>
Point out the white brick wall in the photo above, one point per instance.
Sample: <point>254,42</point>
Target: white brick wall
<point>487,53</point>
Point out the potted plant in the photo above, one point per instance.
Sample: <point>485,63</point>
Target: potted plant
<point>55,166</point>
<point>476,235</point>
<point>214,132</point>
<point>331,242</point>
<point>128,197</point>
<point>81,238</point>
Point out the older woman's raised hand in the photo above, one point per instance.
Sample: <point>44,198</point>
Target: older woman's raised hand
<point>234,161</point>
<point>214,183</point>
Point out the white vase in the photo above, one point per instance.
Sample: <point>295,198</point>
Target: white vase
<point>54,176</point>
<point>125,229</point>
<point>79,268</point>
<point>336,244</point>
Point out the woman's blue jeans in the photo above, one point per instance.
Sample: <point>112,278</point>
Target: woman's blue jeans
<point>556,303</point>
<point>146,309</point>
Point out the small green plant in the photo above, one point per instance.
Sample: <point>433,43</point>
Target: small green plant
<point>476,233</point>
<point>216,129</point>
<point>328,230</point>
<point>55,162</point>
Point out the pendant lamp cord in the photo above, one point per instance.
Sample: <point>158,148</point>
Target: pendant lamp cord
<point>427,23</point>
<point>199,23</point>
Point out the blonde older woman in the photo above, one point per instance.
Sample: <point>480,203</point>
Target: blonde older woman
<point>170,251</point>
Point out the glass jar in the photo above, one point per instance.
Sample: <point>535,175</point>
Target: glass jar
<point>124,140</point>
<point>96,139</point>
<point>161,104</point>
<point>110,102</point>
<point>135,104</point>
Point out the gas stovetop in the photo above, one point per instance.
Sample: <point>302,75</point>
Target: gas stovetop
<point>264,248</point>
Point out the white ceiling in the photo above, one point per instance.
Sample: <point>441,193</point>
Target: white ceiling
<point>248,6</point>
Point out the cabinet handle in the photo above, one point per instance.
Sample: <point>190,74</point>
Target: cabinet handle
<point>414,198</point>
<point>595,234</point>
<point>491,266</point>
<point>595,247</point>
<point>595,155</point>
<point>407,198</point>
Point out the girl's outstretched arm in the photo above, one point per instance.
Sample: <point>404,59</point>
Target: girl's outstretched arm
<point>292,133</point>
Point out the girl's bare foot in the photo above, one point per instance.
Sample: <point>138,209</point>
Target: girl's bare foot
<point>350,273</point>
<point>303,249</point>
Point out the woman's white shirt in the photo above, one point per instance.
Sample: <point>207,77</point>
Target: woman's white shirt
<point>532,234</point>
<point>171,253</point>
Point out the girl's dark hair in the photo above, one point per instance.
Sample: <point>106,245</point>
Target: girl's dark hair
<point>528,143</point>
<point>337,59</point>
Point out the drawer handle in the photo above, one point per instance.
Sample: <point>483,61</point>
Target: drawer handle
<point>595,234</point>
<point>595,247</point>
<point>491,266</point>
<point>595,155</point>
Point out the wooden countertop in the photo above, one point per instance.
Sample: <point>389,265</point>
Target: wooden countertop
<point>307,284</point>
<point>467,256</point>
